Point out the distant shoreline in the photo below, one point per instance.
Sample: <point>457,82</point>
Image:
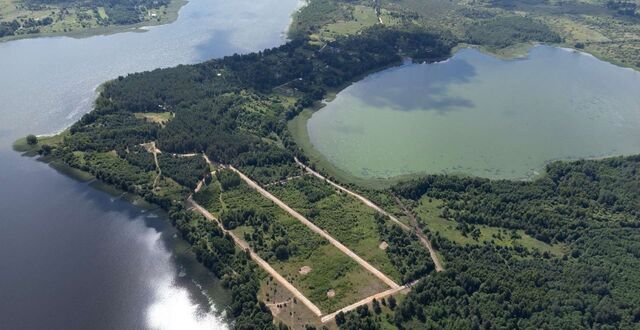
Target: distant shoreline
<point>173,11</point>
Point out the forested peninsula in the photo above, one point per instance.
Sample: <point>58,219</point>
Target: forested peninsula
<point>561,251</point>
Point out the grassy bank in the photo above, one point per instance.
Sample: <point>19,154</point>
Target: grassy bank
<point>21,145</point>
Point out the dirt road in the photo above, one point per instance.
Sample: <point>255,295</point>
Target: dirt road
<point>423,238</point>
<point>263,264</point>
<point>317,230</point>
<point>363,199</point>
<point>365,301</point>
<point>151,147</point>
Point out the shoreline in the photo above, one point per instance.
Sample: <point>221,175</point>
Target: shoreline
<point>298,125</point>
<point>173,12</point>
<point>299,129</point>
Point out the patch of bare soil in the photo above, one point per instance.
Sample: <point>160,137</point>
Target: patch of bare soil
<point>331,293</point>
<point>305,270</point>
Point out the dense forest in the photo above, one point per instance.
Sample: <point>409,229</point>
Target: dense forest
<point>590,206</point>
<point>405,251</point>
<point>187,171</point>
<point>217,252</point>
<point>506,31</point>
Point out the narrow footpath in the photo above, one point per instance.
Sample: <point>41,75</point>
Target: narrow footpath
<point>151,147</point>
<point>423,238</point>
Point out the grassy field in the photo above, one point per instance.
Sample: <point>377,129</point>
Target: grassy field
<point>21,144</point>
<point>362,17</point>
<point>342,216</point>
<point>330,269</point>
<point>429,212</point>
<point>161,118</point>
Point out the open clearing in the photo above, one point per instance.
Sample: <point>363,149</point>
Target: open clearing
<point>428,211</point>
<point>161,118</point>
<point>343,217</point>
<point>331,269</point>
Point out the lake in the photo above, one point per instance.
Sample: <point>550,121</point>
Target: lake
<point>480,115</point>
<point>74,257</point>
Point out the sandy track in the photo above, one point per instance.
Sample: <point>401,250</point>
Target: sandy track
<point>363,199</point>
<point>423,239</point>
<point>261,262</point>
<point>367,300</point>
<point>317,230</point>
<point>151,148</point>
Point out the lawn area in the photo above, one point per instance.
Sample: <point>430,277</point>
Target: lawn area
<point>342,216</point>
<point>428,211</point>
<point>363,17</point>
<point>329,270</point>
<point>166,187</point>
<point>161,118</point>
<point>21,144</point>
<point>102,13</point>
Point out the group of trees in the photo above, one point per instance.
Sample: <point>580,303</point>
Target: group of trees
<point>589,206</point>
<point>29,25</point>
<point>405,251</point>
<point>8,28</point>
<point>626,8</point>
<point>187,171</point>
<point>505,31</point>
<point>238,272</point>
<point>268,237</point>
<point>138,156</point>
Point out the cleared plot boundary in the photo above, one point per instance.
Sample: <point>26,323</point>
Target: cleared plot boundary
<point>261,262</point>
<point>369,203</point>
<point>367,300</point>
<point>395,288</point>
<point>384,278</point>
